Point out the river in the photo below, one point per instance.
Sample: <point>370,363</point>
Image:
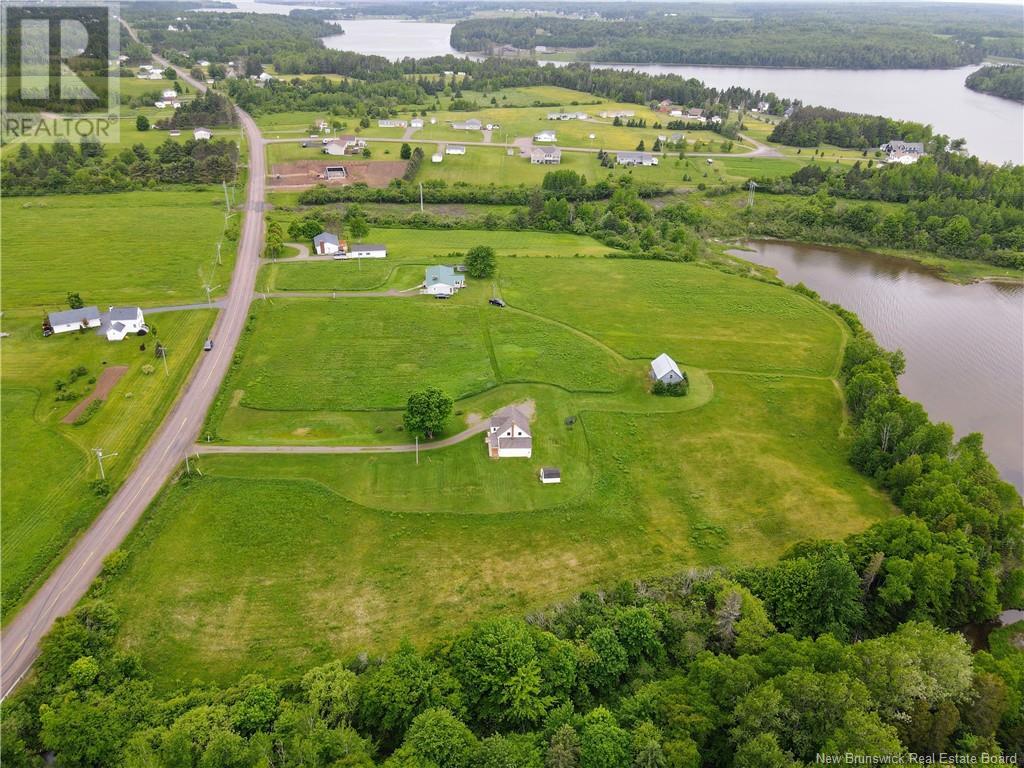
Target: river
<point>993,127</point>
<point>964,344</point>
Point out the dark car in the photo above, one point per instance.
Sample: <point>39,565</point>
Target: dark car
<point>208,345</point>
<point>496,302</point>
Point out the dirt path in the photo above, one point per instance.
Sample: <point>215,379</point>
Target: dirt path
<point>104,384</point>
<point>526,407</point>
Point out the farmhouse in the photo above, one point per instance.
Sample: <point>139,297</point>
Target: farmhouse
<point>546,156</point>
<point>455,149</point>
<point>509,436</point>
<point>72,320</point>
<point>326,244</point>
<point>548,137</point>
<point>202,134</point>
<point>903,152</point>
<point>665,370</point>
<point>636,158</point>
<point>442,281</point>
<point>119,322</point>
<point>366,251</point>
<point>392,124</point>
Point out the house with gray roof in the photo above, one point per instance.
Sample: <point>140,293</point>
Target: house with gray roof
<point>665,370</point>
<point>442,280</point>
<point>509,435</point>
<point>546,156</point>
<point>367,251</point>
<point>636,158</point>
<point>326,244</point>
<point>72,320</point>
<point>118,322</point>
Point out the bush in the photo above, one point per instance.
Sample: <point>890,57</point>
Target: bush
<point>678,389</point>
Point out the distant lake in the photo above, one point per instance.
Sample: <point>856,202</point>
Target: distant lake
<point>964,344</point>
<point>993,127</point>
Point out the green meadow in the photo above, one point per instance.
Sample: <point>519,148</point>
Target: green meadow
<point>363,550</point>
<point>47,465</point>
<point>145,248</point>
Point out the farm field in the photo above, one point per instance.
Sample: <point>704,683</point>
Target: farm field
<point>389,549</point>
<point>144,248</point>
<point>46,502</point>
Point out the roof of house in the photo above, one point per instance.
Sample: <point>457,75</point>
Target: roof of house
<point>695,111</point>
<point>547,151</point>
<point>550,472</point>
<point>74,316</point>
<point>905,146</point>
<point>545,133</point>
<point>455,148</point>
<point>325,237</point>
<point>633,155</point>
<point>664,364</point>
<point>507,418</point>
<point>440,274</point>
<point>123,313</point>
<point>368,247</point>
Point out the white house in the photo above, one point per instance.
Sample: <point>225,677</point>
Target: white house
<point>716,120</point>
<point>665,370</point>
<point>326,244</point>
<point>264,77</point>
<point>636,158</point>
<point>202,134</point>
<point>454,149</point>
<point>617,113</point>
<point>366,251</point>
<point>903,152</point>
<point>392,124</point>
<point>72,320</point>
<point>468,125</point>
<point>169,95</point>
<point>509,436</point>
<point>546,156</point>
<point>675,113</point>
<point>442,281</point>
<point>416,122</point>
<point>548,137</point>
<point>437,157</point>
<point>119,322</point>
<point>160,104</point>
<point>343,145</point>
<point>550,475</point>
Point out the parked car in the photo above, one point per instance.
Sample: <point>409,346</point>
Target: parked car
<point>208,345</point>
<point>496,302</point>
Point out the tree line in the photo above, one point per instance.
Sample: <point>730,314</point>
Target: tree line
<point>811,126</point>
<point>1006,81</point>
<point>62,169</point>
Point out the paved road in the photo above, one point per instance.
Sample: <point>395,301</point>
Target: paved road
<point>478,428</point>
<point>19,642</point>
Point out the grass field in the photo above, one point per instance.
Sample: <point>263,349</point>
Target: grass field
<point>46,465</point>
<point>145,248</point>
<point>362,551</point>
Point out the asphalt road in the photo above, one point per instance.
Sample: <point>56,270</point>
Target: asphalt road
<point>19,641</point>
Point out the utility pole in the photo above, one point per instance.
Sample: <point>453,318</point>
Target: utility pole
<point>227,205</point>
<point>421,197</point>
<point>209,290</point>
<point>417,450</point>
<point>100,456</point>
<point>219,262</point>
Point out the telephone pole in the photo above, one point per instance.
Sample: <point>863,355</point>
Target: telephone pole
<point>100,456</point>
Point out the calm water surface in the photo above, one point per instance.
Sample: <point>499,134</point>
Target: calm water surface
<point>964,344</point>
<point>993,127</point>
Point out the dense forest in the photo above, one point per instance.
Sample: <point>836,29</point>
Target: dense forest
<point>61,169</point>
<point>1006,81</point>
<point>893,35</point>
<point>812,126</point>
<point>838,647</point>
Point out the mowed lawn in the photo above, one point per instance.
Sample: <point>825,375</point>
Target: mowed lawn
<point>48,466</point>
<point>698,315</point>
<point>276,563</point>
<point>141,248</point>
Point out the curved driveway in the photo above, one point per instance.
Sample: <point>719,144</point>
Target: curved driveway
<point>19,642</point>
